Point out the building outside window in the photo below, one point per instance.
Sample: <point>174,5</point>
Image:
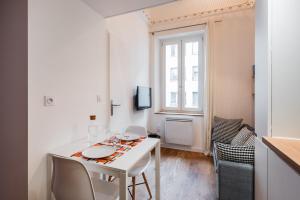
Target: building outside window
<point>173,99</point>
<point>195,99</point>
<point>173,74</point>
<point>195,73</point>
<point>173,51</point>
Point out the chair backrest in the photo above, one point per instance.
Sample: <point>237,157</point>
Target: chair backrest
<point>139,130</point>
<point>70,180</point>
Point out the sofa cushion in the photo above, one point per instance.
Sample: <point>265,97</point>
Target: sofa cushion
<point>225,130</point>
<point>250,141</point>
<point>239,154</point>
<point>241,137</point>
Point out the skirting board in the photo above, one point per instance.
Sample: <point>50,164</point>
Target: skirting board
<point>184,148</point>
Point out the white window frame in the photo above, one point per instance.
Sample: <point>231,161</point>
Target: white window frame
<point>164,43</point>
<point>180,41</point>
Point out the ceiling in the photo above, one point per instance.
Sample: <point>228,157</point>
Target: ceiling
<point>184,8</point>
<point>108,8</point>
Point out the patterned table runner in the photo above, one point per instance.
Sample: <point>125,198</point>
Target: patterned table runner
<point>122,148</point>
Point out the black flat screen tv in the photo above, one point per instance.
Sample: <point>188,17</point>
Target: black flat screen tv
<point>143,98</point>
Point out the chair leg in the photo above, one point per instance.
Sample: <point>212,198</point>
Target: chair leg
<point>133,188</point>
<point>147,185</point>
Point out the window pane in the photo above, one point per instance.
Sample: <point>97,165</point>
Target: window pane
<point>173,99</point>
<point>171,59</point>
<point>195,73</point>
<point>173,74</point>
<point>195,99</point>
<point>191,69</point>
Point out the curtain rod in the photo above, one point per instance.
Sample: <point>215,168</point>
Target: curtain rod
<point>153,32</point>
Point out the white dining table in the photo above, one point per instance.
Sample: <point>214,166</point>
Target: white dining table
<point>118,168</point>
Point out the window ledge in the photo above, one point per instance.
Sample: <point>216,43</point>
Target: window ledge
<point>180,113</point>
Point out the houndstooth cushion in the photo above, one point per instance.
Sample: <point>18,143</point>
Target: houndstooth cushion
<point>225,129</point>
<point>241,137</point>
<point>250,141</point>
<point>239,154</point>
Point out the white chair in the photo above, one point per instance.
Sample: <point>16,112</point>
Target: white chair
<point>71,181</point>
<point>140,167</point>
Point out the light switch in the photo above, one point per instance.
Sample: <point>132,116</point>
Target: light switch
<point>49,101</point>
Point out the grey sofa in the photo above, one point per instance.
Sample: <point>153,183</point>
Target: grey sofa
<point>235,181</point>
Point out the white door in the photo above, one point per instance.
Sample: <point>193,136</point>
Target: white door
<point>128,68</point>
<point>117,88</point>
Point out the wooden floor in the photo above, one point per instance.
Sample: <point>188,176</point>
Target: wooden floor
<point>184,176</point>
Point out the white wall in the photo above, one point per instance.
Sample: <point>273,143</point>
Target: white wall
<point>188,8</point>
<point>285,69</point>
<point>262,69</point>
<point>233,57</point>
<point>277,94</point>
<point>129,67</point>
<point>67,59</point>
<point>277,60</point>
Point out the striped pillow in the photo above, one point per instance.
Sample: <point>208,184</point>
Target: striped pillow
<point>225,129</point>
<point>241,137</point>
<point>250,141</point>
<point>239,154</point>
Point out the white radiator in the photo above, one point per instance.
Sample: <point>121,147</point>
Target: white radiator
<point>179,131</point>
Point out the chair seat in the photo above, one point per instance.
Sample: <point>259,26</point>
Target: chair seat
<point>140,166</point>
<point>104,190</point>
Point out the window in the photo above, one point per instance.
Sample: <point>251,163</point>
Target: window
<point>195,73</point>
<point>182,63</point>
<point>195,49</point>
<point>195,99</point>
<point>173,98</point>
<point>173,47</point>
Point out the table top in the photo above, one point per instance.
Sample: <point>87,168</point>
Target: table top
<point>123,163</point>
<point>286,148</point>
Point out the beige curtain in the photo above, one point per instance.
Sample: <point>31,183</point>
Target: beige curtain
<point>209,80</point>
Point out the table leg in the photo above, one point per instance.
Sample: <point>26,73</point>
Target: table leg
<point>157,171</point>
<point>123,185</point>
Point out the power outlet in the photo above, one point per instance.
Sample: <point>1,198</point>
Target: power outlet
<point>49,101</point>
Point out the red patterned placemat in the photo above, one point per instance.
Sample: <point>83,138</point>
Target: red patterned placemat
<point>122,148</point>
